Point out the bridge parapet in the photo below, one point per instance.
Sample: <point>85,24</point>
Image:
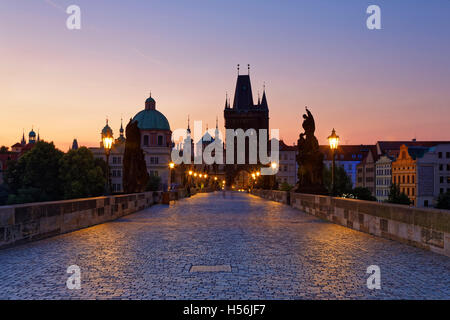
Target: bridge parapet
<point>420,227</point>
<point>34,221</point>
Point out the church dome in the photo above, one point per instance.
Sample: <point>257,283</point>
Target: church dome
<point>151,120</point>
<point>32,133</point>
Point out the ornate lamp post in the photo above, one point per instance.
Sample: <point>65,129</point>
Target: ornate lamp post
<point>171,166</point>
<point>107,145</point>
<point>333,140</point>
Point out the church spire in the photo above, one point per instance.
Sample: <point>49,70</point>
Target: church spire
<point>188,128</point>
<point>227,105</point>
<point>121,127</point>
<point>23,142</point>
<point>264,99</point>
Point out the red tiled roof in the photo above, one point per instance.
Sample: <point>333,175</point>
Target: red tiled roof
<point>349,152</point>
<point>392,147</point>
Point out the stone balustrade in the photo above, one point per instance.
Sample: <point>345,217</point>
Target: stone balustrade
<point>424,228</point>
<point>34,221</point>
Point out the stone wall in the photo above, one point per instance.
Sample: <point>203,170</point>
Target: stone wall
<point>424,228</point>
<point>34,221</point>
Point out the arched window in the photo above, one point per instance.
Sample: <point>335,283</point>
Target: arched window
<point>146,140</point>
<point>160,140</point>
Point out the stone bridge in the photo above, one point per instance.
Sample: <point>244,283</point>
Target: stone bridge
<point>221,246</point>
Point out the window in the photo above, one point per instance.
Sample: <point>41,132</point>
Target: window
<point>441,190</point>
<point>154,160</point>
<point>425,203</point>
<point>441,179</point>
<point>412,179</point>
<point>441,167</point>
<point>448,179</point>
<point>407,179</point>
<point>447,155</point>
<point>160,140</point>
<point>412,191</point>
<point>146,140</point>
<point>448,167</point>
<point>440,155</point>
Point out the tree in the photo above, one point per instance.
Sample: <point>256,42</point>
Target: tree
<point>343,183</point>
<point>443,201</point>
<point>4,149</point>
<point>285,187</point>
<point>35,175</point>
<point>4,193</point>
<point>395,196</point>
<point>363,194</point>
<point>81,175</point>
<point>154,183</point>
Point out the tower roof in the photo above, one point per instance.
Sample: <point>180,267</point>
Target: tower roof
<point>243,97</point>
<point>264,101</point>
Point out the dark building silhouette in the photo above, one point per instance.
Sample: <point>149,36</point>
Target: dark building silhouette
<point>245,114</point>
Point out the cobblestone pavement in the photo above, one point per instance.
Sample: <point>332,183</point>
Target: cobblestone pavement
<point>275,252</point>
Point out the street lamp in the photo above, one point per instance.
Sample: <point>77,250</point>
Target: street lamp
<point>333,140</point>
<point>107,145</point>
<point>171,166</point>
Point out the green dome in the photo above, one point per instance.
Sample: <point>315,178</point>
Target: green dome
<point>151,120</point>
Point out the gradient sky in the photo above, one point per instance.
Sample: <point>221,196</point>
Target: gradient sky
<point>385,84</point>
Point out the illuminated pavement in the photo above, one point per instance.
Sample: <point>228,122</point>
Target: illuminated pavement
<point>274,251</point>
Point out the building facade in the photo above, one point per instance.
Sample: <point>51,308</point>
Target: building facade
<point>288,167</point>
<point>346,157</point>
<point>383,172</point>
<point>365,175</point>
<point>404,170</point>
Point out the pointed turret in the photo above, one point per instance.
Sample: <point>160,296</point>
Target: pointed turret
<point>23,142</point>
<point>264,101</point>
<point>74,144</point>
<point>188,127</point>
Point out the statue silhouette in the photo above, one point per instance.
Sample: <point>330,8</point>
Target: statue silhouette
<point>135,175</point>
<point>309,159</point>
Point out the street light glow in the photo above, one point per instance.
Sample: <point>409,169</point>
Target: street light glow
<point>333,140</point>
<point>107,143</point>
